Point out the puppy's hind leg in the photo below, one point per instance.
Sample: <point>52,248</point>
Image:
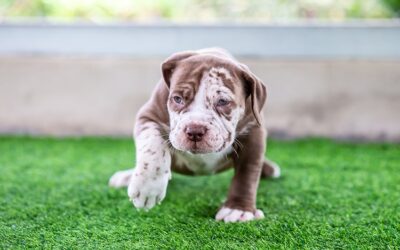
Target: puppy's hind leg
<point>270,169</point>
<point>121,178</point>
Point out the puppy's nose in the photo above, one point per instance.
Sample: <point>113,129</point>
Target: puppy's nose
<point>195,132</point>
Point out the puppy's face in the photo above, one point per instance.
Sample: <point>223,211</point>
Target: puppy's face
<point>205,104</point>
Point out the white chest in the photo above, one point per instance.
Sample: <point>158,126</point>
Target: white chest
<point>201,163</point>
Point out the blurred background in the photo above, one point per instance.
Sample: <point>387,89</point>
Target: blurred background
<point>237,11</point>
<point>332,68</point>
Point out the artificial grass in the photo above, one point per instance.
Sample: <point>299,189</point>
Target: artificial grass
<point>54,194</point>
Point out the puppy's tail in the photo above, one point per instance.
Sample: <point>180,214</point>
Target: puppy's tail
<point>270,169</point>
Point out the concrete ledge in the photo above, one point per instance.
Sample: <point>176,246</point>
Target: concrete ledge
<point>373,40</point>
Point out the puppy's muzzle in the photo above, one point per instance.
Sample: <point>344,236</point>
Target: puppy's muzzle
<point>195,132</point>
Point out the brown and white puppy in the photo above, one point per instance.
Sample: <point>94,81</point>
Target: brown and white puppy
<point>203,117</point>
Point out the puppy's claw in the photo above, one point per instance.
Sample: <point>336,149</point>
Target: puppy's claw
<point>246,216</point>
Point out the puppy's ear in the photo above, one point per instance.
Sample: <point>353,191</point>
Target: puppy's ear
<point>257,91</point>
<point>169,65</point>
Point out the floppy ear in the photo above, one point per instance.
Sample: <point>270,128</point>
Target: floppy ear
<point>257,91</point>
<point>169,65</point>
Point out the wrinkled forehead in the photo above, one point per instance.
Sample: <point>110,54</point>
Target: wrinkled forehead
<point>191,73</point>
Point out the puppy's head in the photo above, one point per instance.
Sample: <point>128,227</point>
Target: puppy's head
<point>207,98</point>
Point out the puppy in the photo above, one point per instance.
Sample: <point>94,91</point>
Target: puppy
<point>203,117</point>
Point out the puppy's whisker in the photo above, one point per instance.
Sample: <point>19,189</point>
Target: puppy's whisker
<point>169,145</point>
<point>234,150</point>
<point>238,143</point>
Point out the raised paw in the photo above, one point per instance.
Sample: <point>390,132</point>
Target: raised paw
<point>236,215</point>
<point>120,179</point>
<point>146,190</point>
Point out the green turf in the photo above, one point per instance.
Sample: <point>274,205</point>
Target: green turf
<point>54,194</point>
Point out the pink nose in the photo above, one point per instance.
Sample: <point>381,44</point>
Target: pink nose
<point>195,132</point>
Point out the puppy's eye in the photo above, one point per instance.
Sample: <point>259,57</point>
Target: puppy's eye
<point>178,99</point>
<point>222,102</point>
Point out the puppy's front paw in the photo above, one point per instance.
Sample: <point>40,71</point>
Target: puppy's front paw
<point>147,189</point>
<point>235,215</point>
